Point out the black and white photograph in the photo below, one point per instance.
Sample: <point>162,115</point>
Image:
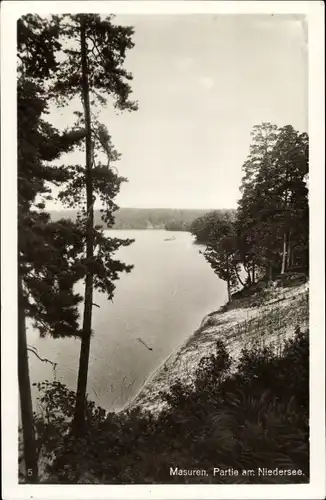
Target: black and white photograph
<point>163,325</point>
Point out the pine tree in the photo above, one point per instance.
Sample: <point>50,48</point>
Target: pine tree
<point>252,208</point>
<point>92,70</point>
<point>46,251</point>
<point>272,217</point>
<point>290,170</point>
<point>204,227</point>
<point>221,251</point>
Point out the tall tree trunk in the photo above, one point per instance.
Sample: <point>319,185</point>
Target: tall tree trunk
<point>248,273</point>
<point>292,258</point>
<point>253,273</point>
<point>238,276</point>
<point>228,280</point>
<point>288,256</point>
<point>79,417</point>
<point>229,290</point>
<point>270,274</point>
<point>284,255</point>
<point>26,408</point>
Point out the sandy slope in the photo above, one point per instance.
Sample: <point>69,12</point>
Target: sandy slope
<point>274,321</point>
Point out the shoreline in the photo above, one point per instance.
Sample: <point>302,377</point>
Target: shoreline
<point>160,367</point>
<point>269,323</point>
<point>148,380</point>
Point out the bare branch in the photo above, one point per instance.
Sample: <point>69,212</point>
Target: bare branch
<point>45,360</point>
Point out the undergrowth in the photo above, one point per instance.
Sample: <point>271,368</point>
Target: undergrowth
<point>254,416</point>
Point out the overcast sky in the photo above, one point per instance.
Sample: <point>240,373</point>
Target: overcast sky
<point>202,83</point>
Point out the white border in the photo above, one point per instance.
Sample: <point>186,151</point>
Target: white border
<point>11,10</point>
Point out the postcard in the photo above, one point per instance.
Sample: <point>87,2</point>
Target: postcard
<point>163,250</point>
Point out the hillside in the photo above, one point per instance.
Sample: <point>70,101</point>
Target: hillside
<point>143,218</point>
<point>270,319</point>
<point>234,397</point>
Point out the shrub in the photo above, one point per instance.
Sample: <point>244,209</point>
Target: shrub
<point>256,415</point>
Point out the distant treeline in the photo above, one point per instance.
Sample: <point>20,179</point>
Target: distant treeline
<point>172,219</point>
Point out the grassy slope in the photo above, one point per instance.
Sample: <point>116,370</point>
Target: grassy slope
<point>271,318</point>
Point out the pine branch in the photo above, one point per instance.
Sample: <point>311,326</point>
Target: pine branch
<point>97,49</point>
<point>112,167</point>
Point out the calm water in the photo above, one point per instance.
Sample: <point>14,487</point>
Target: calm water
<point>162,301</point>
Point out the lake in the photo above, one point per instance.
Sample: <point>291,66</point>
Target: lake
<point>162,301</point>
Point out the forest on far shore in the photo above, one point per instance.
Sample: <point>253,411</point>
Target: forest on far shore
<point>173,219</point>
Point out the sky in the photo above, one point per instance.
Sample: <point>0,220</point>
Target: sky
<point>202,82</point>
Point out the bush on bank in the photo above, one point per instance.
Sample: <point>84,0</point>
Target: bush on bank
<point>254,415</point>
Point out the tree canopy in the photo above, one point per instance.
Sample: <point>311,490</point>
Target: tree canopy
<point>268,234</point>
<point>47,269</point>
<point>61,58</point>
